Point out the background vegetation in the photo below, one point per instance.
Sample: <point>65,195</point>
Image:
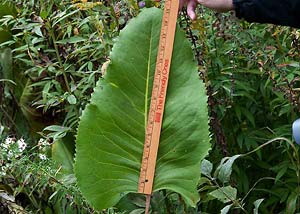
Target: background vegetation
<point>52,53</point>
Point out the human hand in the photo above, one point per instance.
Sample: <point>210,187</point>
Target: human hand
<point>216,5</point>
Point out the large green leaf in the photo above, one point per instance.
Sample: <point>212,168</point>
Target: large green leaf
<point>112,128</point>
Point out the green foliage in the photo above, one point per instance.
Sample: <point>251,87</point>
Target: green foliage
<point>219,186</point>
<point>252,76</point>
<point>28,181</point>
<point>112,129</point>
<point>6,9</point>
<point>58,54</point>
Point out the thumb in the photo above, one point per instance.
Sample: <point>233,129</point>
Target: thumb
<point>191,7</point>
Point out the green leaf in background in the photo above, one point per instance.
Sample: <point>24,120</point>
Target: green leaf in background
<point>57,132</point>
<point>257,203</point>
<point>206,168</point>
<point>226,209</point>
<point>72,99</point>
<point>224,170</point>
<point>224,194</point>
<point>292,203</point>
<point>112,129</point>
<point>72,40</point>
<point>6,9</point>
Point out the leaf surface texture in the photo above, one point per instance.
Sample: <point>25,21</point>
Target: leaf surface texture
<point>112,129</point>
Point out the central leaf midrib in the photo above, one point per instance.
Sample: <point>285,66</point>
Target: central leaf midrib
<point>148,77</point>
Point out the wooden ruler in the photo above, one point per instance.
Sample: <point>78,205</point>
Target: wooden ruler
<point>158,98</point>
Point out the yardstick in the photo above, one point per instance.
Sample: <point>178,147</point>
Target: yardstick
<point>159,90</point>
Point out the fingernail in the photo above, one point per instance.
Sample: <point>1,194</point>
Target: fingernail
<point>192,16</point>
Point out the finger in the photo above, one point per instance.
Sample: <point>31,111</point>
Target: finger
<point>191,7</point>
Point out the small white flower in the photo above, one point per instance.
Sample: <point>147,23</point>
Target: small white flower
<point>5,146</point>
<point>3,171</point>
<point>43,142</point>
<point>8,141</point>
<point>21,145</point>
<point>10,154</point>
<point>42,157</point>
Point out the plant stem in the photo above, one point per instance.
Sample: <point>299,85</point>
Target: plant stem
<point>59,60</point>
<point>62,66</point>
<point>148,200</point>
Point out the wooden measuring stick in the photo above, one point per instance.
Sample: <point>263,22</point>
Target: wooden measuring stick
<point>158,97</point>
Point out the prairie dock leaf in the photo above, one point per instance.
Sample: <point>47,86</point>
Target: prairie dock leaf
<point>111,132</point>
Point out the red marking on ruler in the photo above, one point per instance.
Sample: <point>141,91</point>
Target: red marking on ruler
<point>157,117</point>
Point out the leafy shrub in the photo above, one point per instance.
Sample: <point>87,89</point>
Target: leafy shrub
<point>252,76</point>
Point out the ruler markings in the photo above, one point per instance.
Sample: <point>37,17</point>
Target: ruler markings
<point>158,96</point>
